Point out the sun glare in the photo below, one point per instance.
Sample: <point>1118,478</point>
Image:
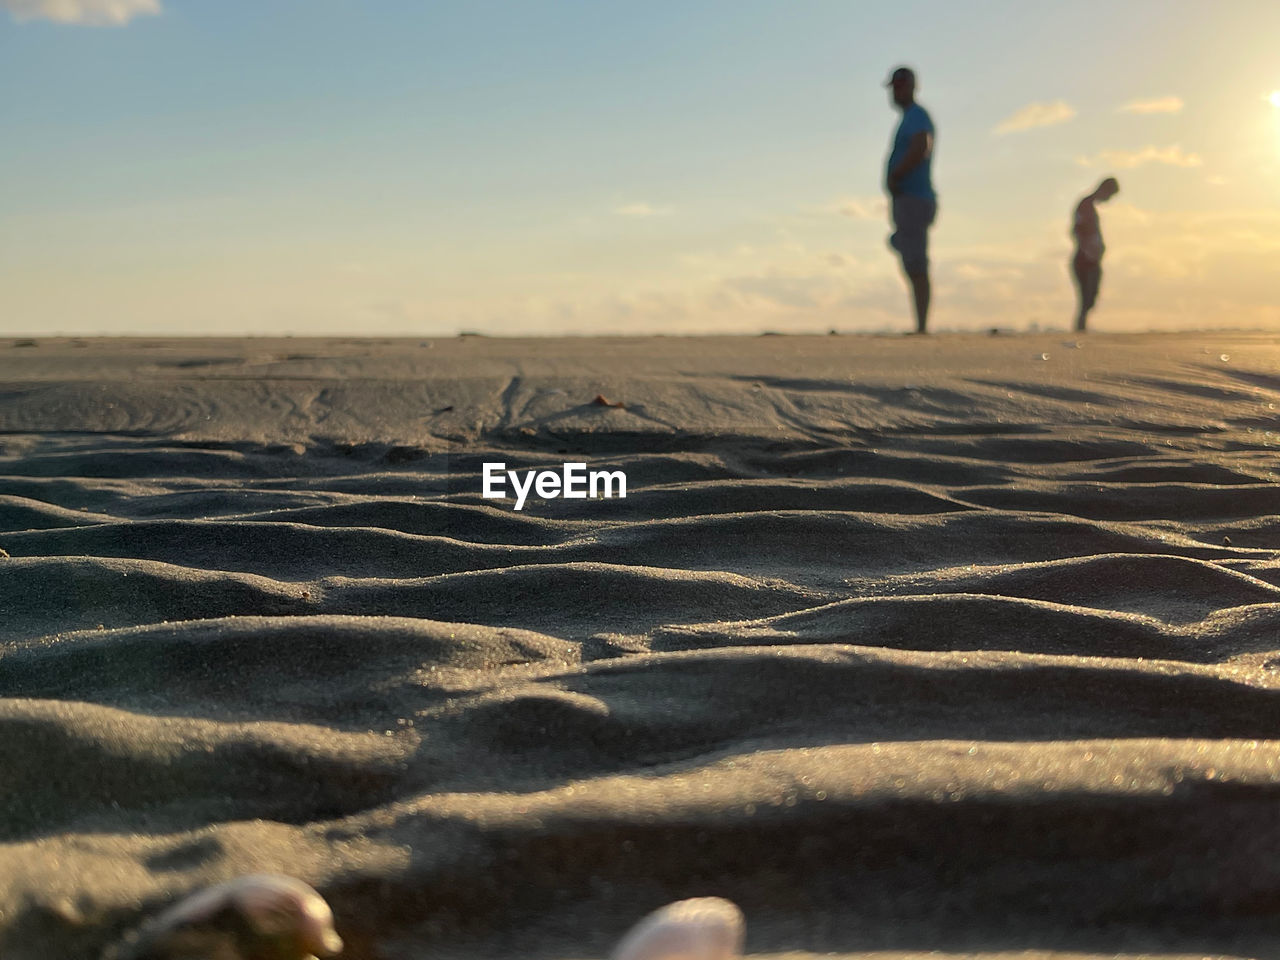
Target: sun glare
<point>1274,98</point>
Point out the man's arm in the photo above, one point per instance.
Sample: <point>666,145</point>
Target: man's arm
<point>921,146</point>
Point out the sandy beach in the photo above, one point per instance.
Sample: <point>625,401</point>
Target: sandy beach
<point>963,645</point>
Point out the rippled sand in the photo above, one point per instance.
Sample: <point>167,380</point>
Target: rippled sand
<point>962,644</point>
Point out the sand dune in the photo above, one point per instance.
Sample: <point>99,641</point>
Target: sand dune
<point>962,646</point>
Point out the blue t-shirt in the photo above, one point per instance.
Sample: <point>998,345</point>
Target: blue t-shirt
<point>917,183</point>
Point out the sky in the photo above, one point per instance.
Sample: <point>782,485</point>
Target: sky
<point>421,168</point>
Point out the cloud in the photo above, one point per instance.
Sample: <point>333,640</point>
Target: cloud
<point>863,208</point>
<point>1173,156</point>
<point>988,271</point>
<point>1157,105</point>
<point>1196,267</point>
<point>641,210</point>
<point>1036,115</point>
<point>799,292</point>
<point>95,13</point>
<point>1165,270</point>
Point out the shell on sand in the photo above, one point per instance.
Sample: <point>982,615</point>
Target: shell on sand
<point>258,917</point>
<point>704,928</point>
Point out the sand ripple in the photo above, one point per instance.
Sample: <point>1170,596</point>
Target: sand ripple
<point>950,665</point>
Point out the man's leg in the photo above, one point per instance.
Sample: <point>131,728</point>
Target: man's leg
<point>1088,277</point>
<point>920,292</point>
<point>912,217</point>
<point>1082,311</point>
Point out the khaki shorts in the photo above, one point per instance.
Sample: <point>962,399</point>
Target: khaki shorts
<point>912,217</point>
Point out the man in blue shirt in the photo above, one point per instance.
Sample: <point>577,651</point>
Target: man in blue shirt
<point>907,177</point>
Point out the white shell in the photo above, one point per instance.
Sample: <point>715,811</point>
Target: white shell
<point>705,928</point>
<point>272,904</point>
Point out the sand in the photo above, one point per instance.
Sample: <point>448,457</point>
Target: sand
<point>961,646</point>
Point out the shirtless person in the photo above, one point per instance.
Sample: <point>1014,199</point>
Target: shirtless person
<point>1086,265</point>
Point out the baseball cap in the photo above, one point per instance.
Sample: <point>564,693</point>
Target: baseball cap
<point>902,73</point>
